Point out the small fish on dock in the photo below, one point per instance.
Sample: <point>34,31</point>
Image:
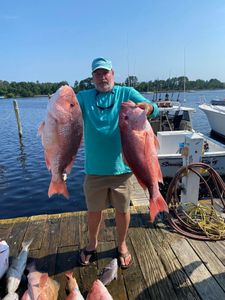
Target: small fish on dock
<point>109,273</point>
<point>13,296</point>
<point>4,258</point>
<point>73,288</point>
<point>40,286</point>
<point>17,268</point>
<point>98,292</point>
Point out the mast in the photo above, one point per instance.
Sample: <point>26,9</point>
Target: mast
<point>184,76</point>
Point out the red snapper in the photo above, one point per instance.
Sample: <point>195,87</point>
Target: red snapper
<point>139,145</point>
<point>61,134</point>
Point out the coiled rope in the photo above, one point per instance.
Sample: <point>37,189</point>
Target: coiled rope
<point>201,221</point>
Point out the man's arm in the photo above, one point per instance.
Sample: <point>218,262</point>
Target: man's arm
<point>150,107</point>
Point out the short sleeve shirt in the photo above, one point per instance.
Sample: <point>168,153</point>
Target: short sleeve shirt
<point>103,149</point>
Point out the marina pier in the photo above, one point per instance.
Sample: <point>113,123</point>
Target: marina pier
<point>165,265</point>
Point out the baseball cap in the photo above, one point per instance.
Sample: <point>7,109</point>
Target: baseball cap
<point>101,63</point>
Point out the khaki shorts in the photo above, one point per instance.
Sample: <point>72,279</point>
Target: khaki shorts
<point>102,192</point>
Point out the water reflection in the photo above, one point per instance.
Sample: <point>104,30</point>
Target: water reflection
<point>22,155</point>
<point>2,177</point>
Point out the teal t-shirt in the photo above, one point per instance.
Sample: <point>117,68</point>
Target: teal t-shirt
<point>103,150</point>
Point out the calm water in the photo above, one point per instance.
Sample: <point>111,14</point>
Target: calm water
<point>24,179</point>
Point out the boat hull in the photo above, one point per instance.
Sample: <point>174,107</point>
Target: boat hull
<point>170,165</point>
<point>216,118</point>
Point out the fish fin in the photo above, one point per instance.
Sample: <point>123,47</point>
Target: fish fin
<point>69,274</point>
<point>147,147</point>
<point>160,176</point>
<point>58,188</point>
<point>156,142</point>
<point>124,159</point>
<point>47,162</point>
<point>157,205</point>
<point>69,167</point>
<point>41,127</point>
<point>43,280</point>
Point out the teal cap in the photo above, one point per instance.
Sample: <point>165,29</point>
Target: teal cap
<point>101,63</point>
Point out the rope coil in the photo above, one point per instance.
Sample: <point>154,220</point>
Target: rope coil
<point>201,221</point>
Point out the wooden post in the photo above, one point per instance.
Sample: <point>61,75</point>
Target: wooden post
<point>192,153</point>
<point>16,109</point>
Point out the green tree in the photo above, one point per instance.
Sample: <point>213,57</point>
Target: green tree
<point>131,81</point>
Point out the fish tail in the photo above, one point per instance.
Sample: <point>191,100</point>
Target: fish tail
<point>11,295</point>
<point>58,188</point>
<point>26,244</point>
<point>157,204</point>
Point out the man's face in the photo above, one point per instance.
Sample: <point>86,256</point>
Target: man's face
<point>103,80</point>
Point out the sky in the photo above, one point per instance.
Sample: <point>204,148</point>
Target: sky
<point>52,41</point>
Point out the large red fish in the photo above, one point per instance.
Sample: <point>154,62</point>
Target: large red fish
<point>61,134</point>
<point>139,145</point>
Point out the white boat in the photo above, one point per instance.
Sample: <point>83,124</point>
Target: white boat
<point>172,116</point>
<point>216,116</point>
<point>171,160</point>
<point>171,127</point>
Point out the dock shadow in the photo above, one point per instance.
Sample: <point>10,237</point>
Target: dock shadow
<point>58,263</point>
<point>178,285</point>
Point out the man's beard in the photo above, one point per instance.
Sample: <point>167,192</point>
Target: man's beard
<point>107,86</point>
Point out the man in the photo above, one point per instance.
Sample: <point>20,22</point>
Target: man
<point>107,180</point>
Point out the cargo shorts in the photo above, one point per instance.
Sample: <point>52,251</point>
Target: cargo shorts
<point>102,192</point>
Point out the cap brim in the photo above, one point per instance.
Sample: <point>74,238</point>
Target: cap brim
<point>101,67</point>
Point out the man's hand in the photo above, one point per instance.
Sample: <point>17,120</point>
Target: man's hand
<point>146,106</point>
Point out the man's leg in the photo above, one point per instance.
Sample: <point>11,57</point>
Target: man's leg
<point>94,221</point>
<point>122,224</point>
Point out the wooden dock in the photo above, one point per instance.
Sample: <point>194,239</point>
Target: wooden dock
<point>165,264</point>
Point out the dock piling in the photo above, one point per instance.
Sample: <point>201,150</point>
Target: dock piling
<point>16,109</point>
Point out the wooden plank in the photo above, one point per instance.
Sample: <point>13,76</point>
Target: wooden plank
<point>69,231</point>
<point>67,260</point>
<point>88,273</point>
<point>211,261</point>
<point>107,228</point>
<point>106,252</point>
<point>181,283</point>
<point>16,237</point>
<point>155,276</point>
<point>133,278</point>
<point>5,230</point>
<point>35,229</point>
<point>218,249</point>
<point>83,230</point>
<point>206,286</point>
<point>47,254</point>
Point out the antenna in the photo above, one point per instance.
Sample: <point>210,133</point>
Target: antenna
<point>184,75</point>
<point>128,64</point>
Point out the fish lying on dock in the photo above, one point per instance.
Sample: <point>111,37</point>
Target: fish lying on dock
<point>109,273</point>
<point>4,258</point>
<point>16,269</point>
<point>139,145</point>
<point>98,292</point>
<point>73,288</point>
<point>61,134</point>
<point>13,296</point>
<point>40,286</point>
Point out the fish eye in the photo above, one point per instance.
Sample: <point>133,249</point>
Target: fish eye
<point>126,118</point>
<point>71,105</point>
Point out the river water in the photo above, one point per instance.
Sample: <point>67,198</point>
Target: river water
<point>24,179</point>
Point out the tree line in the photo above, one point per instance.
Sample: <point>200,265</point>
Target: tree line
<point>29,89</point>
